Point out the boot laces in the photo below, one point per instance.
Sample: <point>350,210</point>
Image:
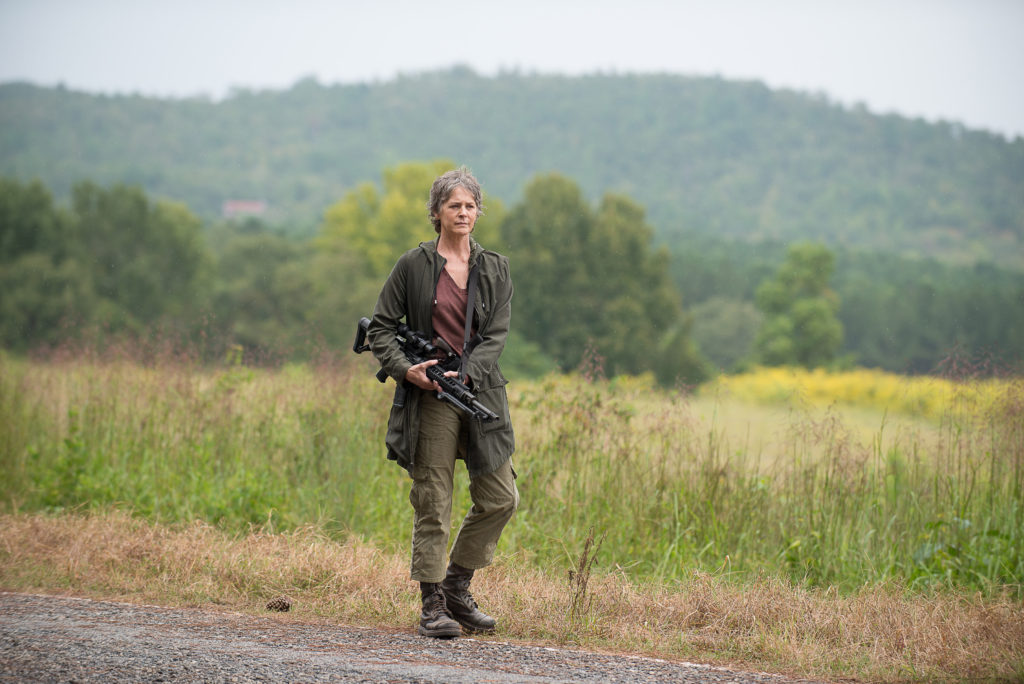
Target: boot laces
<point>466,597</point>
<point>460,590</point>
<point>436,605</point>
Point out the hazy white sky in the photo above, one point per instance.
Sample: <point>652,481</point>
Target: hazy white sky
<point>960,60</point>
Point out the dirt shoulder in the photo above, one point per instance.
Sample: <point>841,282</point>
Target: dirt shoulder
<point>51,638</point>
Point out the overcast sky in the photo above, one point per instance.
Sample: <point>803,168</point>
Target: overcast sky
<point>959,60</point>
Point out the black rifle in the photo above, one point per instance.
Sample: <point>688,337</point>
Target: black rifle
<point>417,348</point>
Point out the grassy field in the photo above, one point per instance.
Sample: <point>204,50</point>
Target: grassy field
<point>746,517</point>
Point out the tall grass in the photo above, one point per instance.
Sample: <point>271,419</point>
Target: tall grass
<point>673,493</point>
<point>174,442</point>
<point>669,491</point>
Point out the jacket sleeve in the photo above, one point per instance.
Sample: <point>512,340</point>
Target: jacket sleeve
<point>387,314</point>
<point>485,356</point>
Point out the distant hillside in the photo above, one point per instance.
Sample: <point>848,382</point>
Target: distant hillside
<point>703,155</point>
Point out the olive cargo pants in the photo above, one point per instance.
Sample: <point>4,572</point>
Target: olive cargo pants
<point>442,438</point>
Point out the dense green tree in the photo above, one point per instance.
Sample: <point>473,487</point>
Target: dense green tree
<point>43,300</point>
<point>263,290</point>
<point>342,293</point>
<point>800,326</point>
<point>147,258</point>
<point>724,330</point>
<point>589,279</point>
<point>114,257</point>
<point>44,291</point>
<point>29,220</point>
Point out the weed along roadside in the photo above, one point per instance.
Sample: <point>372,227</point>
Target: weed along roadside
<point>826,540</point>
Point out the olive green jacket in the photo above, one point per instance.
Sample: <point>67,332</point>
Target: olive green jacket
<point>409,294</point>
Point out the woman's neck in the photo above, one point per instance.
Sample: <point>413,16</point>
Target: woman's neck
<point>454,248</point>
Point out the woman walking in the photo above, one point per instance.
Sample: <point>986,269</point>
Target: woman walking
<point>431,288</point>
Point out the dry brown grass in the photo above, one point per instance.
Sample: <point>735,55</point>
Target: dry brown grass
<point>769,625</point>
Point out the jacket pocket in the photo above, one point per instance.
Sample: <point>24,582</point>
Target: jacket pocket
<point>396,438</point>
<point>496,400</point>
<point>492,381</point>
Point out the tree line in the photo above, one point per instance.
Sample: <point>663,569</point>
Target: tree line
<point>905,315</point>
<point>117,263</point>
<point>590,279</point>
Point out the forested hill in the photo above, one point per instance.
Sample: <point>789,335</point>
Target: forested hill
<point>703,155</point>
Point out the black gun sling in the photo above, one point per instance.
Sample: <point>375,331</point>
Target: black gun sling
<point>474,274</point>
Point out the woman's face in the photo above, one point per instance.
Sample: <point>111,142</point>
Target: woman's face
<point>458,213</point>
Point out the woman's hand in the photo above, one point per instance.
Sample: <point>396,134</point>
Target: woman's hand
<point>417,375</point>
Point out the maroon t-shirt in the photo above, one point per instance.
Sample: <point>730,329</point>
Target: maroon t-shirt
<point>449,312</point>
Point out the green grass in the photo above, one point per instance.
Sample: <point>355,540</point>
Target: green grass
<point>669,486</point>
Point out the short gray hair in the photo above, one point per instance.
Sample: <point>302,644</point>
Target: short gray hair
<point>443,187</point>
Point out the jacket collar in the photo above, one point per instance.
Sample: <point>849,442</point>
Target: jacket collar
<point>474,249</point>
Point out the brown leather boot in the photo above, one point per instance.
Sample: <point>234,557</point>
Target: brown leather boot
<point>460,602</point>
<point>435,620</point>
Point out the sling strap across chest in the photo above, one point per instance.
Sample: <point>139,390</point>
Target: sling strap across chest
<point>474,274</point>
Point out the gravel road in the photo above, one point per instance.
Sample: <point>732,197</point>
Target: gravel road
<point>60,639</point>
